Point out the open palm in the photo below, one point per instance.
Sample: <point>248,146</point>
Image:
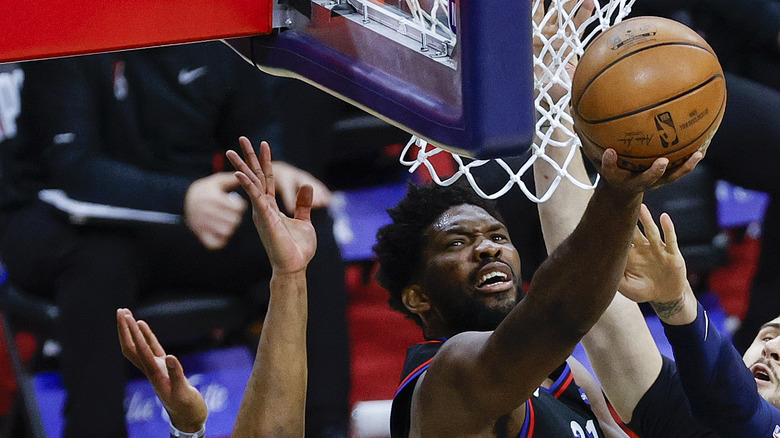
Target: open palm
<point>184,403</point>
<point>655,270</point>
<point>289,242</point>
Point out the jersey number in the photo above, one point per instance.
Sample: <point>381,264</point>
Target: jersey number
<point>589,432</point>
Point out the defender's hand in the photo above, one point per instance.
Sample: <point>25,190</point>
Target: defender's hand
<point>289,242</point>
<point>184,403</point>
<point>655,270</point>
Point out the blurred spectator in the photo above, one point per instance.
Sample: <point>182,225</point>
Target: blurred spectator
<point>148,130</point>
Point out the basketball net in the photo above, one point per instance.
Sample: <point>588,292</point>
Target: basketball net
<point>549,70</point>
<point>437,19</point>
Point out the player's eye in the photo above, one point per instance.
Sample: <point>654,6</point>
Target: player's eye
<point>454,243</point>
<point>499,238</point>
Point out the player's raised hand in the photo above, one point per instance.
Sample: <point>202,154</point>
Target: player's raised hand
<point>289,242</point>
<point>655,270</point>
<point>554,31</point>
<point>184,403</point>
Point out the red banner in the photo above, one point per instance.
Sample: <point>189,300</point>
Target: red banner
<point>33,29</point>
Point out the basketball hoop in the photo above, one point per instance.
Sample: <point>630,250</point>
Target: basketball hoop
<point>549,71</point>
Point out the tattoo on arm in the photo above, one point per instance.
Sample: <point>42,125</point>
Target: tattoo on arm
<point>668,309</point>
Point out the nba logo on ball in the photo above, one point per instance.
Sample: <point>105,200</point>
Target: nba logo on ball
<point>647,87</point>
<point>667,133</point>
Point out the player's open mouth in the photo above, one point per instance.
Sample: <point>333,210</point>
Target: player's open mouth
<point>761,373</point>
<point>494,279</point>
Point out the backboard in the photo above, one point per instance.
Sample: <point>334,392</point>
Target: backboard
<point>464,84</point>
<point>462,80</point>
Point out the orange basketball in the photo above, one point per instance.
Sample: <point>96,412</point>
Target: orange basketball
<point>647,87</point>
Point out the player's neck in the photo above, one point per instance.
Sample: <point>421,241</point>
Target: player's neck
<point>436,331</point>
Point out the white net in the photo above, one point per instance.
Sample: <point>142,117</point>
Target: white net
<point>554,50</point>
<point>438,18</point>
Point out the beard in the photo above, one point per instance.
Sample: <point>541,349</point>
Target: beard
<point>469,312</point>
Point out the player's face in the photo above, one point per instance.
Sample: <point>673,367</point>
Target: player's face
<point>472,270</point>
<point>763,359</point>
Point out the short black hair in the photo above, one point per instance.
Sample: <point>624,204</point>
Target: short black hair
<point>401,243</point>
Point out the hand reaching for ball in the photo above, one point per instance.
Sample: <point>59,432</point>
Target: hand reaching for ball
<point>548,22</point>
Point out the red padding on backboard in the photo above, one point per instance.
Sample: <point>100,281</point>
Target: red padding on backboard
<point>33,29</point>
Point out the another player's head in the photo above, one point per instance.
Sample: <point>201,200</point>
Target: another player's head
<point>763,359</point>
<point>447,260</point>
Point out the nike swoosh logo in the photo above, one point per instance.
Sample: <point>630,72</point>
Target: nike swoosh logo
<point>187,76</point>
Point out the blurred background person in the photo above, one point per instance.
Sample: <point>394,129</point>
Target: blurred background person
<point>148,130</point>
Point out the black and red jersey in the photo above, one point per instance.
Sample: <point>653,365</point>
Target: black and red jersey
<point>560,411</point>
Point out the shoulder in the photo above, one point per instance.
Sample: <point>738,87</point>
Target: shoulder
<point>455,386</point>
<point>457,376</point>
<point>457,358</point>
<point>462,346</point>
<point>447,354</point>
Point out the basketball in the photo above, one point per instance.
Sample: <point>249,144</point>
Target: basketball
<point>647,87</point>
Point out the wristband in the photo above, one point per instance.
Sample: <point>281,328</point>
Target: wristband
<point>179,434</point>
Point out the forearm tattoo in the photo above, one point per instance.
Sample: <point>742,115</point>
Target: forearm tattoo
<point>669,308</point>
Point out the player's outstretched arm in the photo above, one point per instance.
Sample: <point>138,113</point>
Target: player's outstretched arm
<point>275,397</point>
<point>578,281</point>
<point>560,215</point>
<point>653,266</point>
<point>721,390</point>
<point>182,401</point>
<point>618,330</point>
<point>618,325</point>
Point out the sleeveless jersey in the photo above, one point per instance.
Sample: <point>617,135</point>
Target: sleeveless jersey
<point>561,411</point>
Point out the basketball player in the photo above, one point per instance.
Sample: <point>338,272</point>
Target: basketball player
<point>274,400</point>
<point>496,364</point>
<point>732,396</point>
